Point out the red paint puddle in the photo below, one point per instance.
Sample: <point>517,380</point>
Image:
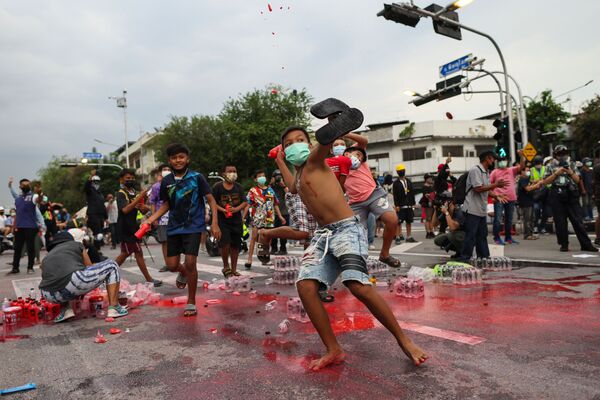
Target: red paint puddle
<point>9,338</point>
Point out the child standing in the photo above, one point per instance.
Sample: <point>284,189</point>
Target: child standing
<point>182,193</point>
<point>339,247</point>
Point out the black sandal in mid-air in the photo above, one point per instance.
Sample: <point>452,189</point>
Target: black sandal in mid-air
<point>328,107</point>
<point>344,123</point>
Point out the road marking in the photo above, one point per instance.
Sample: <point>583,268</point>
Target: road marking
<point>401,248</point>
<point>442,333</point>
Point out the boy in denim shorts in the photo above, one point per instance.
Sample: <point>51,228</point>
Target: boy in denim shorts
<point>339,247</point>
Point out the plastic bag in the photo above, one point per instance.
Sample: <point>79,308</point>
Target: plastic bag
<point>426,274</point>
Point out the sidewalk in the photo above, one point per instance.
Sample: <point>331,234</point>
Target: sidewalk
<point>541,252</point>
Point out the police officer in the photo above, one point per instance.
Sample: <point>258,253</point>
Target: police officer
<point>564,199</point>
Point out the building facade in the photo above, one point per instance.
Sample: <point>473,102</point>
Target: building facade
<point>142,157</point>
<point>422,146</point>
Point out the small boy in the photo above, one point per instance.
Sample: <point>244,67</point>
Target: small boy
<point>265,206</point>
<point>339,163</point>
<point>182,193</point>
<point>339,247</point>
<point>229,196</point>
<point>525,202</point>
<point>129,203</point>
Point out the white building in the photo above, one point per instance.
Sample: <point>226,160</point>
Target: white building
<point>142,157</point>
<point>422,146</point>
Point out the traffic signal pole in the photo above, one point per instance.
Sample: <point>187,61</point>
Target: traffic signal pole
<point>507,101</point>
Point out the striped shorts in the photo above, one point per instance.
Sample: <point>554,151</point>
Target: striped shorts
<point>85,281</point>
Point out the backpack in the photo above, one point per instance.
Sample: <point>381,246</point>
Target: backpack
<point>459,190</point>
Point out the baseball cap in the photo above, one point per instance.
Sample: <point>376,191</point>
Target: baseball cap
<point>95,178</point>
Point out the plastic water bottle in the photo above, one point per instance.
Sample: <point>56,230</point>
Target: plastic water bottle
<point>269,281</point>
<point>179,300</point>
<point>293,311</point>
<point>33,294</point>
<point>284,326</point>
<point>478,278</point>
<point>5,304</point>
<point>271,305</point>
<point>509,264</point>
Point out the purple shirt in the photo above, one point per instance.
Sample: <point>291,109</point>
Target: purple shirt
<point>155,199</point>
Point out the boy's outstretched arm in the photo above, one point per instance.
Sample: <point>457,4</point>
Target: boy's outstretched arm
<point>159,213</point>
<point>360,140</point>
<point>318,154</point>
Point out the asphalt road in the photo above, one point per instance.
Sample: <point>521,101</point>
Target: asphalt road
<point>529,333</point>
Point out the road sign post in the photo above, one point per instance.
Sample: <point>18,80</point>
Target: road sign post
<point>92,156</point>
<point>455,66</point>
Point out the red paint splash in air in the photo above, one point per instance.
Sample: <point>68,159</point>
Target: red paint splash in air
<point>270,8</point>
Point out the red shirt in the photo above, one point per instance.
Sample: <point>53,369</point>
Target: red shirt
<point>340,165</point>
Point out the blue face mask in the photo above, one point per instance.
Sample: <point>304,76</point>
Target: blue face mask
<point>297,153</point>
<point>261,180</point>
<point>355,162</point>
<point>339,150</point>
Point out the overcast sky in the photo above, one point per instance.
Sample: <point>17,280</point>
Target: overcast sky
<point>62,59</point>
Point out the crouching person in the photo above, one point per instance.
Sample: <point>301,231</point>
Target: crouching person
<point>68,273</point>
<point>453,239</point>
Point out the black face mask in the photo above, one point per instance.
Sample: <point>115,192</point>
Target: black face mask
<point>26,189</point>
<point>401,173</point>
<point>129,184</point>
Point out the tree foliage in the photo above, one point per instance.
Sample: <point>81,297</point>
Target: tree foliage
<point>65,185</point>
<point>546,115</point>
<point>586,127</point>
<point>242,134</point>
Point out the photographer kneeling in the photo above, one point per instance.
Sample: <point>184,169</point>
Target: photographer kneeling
<point>447,210</point>
<point>68,273</point>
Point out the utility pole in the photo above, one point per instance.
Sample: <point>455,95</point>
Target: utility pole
<point>122,103</point>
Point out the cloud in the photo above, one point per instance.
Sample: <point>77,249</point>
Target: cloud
<point>61,60</point>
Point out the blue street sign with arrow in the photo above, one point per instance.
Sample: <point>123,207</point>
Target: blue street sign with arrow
<point>92,156</point>
<point>456,65</point>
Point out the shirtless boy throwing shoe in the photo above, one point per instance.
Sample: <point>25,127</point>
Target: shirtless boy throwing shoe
<point>338,247</point>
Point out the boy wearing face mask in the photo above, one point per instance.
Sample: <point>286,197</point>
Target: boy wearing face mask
<point>129,203</point>
<point>506,209</point>
<point>155,202</point>
<point>365,196</point>
<point>338,248</point>
<point>339,163</point>
<point>265,207</point>
<point>229,196</point>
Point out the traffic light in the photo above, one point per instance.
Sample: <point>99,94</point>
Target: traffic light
<point>444,28</point>
<point>501,136</point>
<point>397,14</point>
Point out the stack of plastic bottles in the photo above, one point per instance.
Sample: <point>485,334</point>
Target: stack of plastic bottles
<point>466,276</point>
<point>286,269</point>
<point>296,311</point>
<point>376,267</point>
<point>409,288</point>
<point>493,263</point>
<point>237,284</point>
<point>30,310</point>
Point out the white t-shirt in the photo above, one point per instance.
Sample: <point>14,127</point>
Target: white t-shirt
<point>2,221</point>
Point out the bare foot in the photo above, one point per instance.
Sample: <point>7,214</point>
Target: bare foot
<point>413,352</point>
<point>263,236</point>
<point>332,357</point>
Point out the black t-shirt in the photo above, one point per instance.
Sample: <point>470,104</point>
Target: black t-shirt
<point>233,197</point>
<point>524,198</point>
<point>127,223</point>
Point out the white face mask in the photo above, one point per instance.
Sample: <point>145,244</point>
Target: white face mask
<point>355,162</point>
<point>165,173</point>
<point>527,173</point>
<point>231,177</point>
<point>502,164</point>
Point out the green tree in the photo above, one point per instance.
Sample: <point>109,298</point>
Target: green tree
<point>546,115</point>
<point>65,185</point>
<point>586,127</point>
<point>243,132</point>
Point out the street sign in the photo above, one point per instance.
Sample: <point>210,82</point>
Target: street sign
<point>92,156</point>
<point>456,65</point>
<point>529,151</point>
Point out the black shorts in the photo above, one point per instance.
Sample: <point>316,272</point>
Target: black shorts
<point>187,243</point>
<point>406,215</point>
<point>231,234</point>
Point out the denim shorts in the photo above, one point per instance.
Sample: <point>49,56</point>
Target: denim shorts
<point>321,260</point>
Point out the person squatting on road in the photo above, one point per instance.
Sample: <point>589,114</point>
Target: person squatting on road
<point>339,247</point>
<point>183,193</point>
<point>68,273</point>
